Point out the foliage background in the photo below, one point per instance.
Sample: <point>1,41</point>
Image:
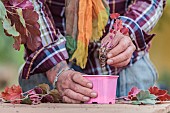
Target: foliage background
<point>11,60</point>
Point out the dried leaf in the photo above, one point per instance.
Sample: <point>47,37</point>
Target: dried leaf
<point>45,88</point>
<point>56,95</point>
<point>47,98</point>
<point>38,90</point>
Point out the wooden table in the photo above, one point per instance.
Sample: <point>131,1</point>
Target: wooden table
<point>84,108</point>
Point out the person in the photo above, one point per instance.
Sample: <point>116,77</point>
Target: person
<point>129,58</point>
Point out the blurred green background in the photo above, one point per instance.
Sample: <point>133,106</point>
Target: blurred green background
<point>11,60</point>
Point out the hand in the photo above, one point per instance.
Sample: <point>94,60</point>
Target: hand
<point>122,52</point>
<point>74,88</point>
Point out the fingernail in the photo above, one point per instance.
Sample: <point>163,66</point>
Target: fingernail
<point>109,61</point>
<point>86,98</point>
<point>93,95</point>
<point>109,55</point>
<point>90,85</point>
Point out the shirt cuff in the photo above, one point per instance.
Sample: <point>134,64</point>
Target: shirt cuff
<point>139,37</point>
<point>45,58</point>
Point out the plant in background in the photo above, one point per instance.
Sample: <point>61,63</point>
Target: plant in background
<point>20,21</point>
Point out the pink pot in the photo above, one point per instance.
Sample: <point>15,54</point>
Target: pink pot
<point>105,85</point>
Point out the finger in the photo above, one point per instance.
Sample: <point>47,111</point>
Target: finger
<point>122,64</point>
<point>79,79</point>
<point>76,96</point>
<point>83,90</point>
<point>124,43</point>
<point>121,57</point>
<point>69,100</point>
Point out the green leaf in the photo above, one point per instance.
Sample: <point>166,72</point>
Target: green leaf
<point>10,29</point>
<point>19,11</point>
<point>2,11</point>
<point>27,100</point>
<point>145,101</point>
<point>136,102</point>
<point>149,101</point>
<point>145,95</point>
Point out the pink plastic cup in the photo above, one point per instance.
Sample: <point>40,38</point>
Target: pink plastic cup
<point>105,85</point>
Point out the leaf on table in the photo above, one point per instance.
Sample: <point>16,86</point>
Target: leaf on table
<point>162,95</point>
<point>12,94</point>
<point>26,100</point>
<point>38,90</point>
<point>145,101</point>
<point>133,92</point>
<point>56,95</point>
<point>45,88</point>
<point>144,97</point>
<point>47,98</point>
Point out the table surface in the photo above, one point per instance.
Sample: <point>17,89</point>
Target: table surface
<point>84,108</point>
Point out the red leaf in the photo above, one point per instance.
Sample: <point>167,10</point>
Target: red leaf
<point>12,93</point>
<point>24,4</point>
<point>161,94</point>
<point>156,91</point>
<point>118,25</point>
<point>165,97</point>
<point>31,20</point>
<point>114,15</point>
<point>124,31</point>
<point>133,92</point>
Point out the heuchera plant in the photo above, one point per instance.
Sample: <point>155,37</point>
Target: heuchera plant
<point>37,95</point>
<point>110,40</point>
<point>20,21</point>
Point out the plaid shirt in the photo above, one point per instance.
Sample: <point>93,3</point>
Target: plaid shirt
<point>140,16</point>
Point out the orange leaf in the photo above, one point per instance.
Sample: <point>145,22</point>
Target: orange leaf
<point>12,94</point>
<point>114,15</point>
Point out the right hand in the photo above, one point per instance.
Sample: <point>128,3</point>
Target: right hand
<point>74,88</point>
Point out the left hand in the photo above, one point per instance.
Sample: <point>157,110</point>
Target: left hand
<point>121,54</point>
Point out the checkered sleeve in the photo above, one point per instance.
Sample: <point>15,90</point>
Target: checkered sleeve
<point>52,49</point>
<point>140,18</point>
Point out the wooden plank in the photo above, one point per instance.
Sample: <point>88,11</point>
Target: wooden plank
<point>84,108</point>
